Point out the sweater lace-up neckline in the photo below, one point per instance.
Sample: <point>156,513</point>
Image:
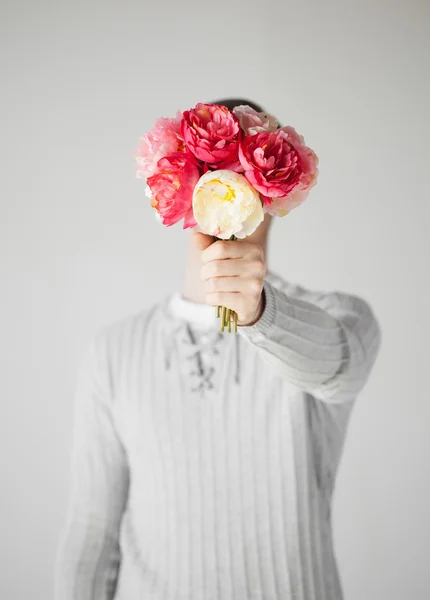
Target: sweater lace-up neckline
<point>199,337</point>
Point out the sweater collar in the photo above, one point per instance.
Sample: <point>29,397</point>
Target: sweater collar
<point>191,311</point>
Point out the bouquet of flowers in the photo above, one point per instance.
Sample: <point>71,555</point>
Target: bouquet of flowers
<point>222,170</point>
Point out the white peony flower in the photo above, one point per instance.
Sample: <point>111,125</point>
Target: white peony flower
<point>226,204</point>
<point>253,122</point>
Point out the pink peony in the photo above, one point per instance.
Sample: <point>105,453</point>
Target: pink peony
<point>253,122</point>
<point>212,133</point>
<point>271,163</point>
<point>164,139</point>
<point>281,206</point>
<point>172,186</point>
<point>280,167</point>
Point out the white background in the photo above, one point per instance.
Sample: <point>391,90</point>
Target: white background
<point>80,248</point>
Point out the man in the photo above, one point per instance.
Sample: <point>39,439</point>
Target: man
<point>204,462</point>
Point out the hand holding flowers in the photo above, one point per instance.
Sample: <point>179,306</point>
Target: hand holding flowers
<point>233,275</point>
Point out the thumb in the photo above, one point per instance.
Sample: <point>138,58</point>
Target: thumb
<point>202,240</point>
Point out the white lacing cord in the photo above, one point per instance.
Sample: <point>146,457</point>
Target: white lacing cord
<point>195,350</point>
<point>204,375</point>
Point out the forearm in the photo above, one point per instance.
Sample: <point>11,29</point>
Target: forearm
<point>325,347</point>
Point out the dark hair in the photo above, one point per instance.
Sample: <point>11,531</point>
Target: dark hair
<point>231,103</point>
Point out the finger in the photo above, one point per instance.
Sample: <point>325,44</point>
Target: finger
<point>238,301</point>
<point>232,300</point>
<point>202,240</point>
<point>225,268</point>
<point>223,249</point>
<point>227,284</point>
<point>228,268</point>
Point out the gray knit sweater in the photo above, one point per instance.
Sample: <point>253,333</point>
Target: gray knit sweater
<point>203,464</point>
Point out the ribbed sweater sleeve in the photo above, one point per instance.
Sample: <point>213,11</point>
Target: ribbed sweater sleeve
<point>323,343</point>
<point>89,556</point>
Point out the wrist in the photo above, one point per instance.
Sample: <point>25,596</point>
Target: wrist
<point>259,311</point>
